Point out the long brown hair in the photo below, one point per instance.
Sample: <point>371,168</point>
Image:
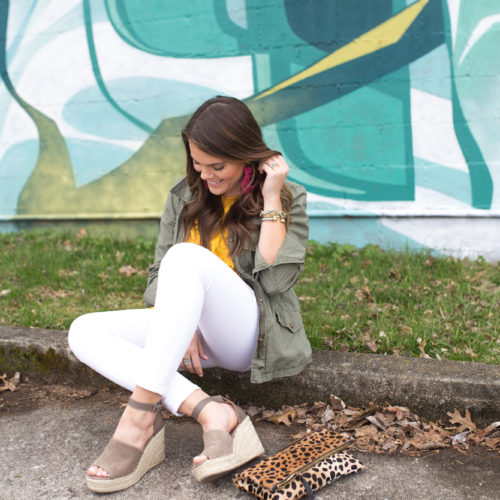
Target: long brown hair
<point>224,127</point>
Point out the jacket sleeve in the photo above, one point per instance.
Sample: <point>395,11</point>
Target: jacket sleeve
<point>166,239</point>
<point>284,272</point>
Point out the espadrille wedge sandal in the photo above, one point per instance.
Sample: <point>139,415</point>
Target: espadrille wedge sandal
<point>126,464</point>
<point>226,450</point>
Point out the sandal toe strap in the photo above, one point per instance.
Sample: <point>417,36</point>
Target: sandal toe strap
<point>118,459</point>
<point>218,443</point>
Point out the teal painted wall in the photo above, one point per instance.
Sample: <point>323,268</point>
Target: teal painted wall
<point>387,110</point>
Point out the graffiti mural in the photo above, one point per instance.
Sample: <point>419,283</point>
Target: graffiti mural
<point>386,110</point>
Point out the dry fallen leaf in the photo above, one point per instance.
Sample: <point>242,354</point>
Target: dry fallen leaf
<point>10,384</point>
<point>463,422</point>
<point>127,270</point>
<point>384,429</point>
<point>336,403</point>
<point>286,417</point>
<point>306,298</point>
<point>82,233</point>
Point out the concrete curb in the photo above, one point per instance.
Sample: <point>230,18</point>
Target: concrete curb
<point>428,387</point>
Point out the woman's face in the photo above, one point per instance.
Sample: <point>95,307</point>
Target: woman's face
<point>223,177</point>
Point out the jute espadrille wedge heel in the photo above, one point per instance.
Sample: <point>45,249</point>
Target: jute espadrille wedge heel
<point>226,450</point>
<point>126,464</point>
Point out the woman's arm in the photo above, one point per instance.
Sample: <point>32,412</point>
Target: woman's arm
<point>272,232</point>
<point>280,253</point>
<point>165,241</point>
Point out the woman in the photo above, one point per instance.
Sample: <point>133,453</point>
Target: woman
<point>231,246</point>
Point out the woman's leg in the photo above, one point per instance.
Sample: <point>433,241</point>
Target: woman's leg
<point>145,346</point>
<point>112,343</point>
<point>194,288</point>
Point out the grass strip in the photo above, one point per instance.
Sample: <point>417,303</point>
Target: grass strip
<point>367,300</point>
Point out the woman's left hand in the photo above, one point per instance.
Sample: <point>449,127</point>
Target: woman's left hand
<point>191,361</point>
<point>276,170</point>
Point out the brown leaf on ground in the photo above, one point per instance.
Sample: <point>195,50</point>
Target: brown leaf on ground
<point>286,417</point>
<point>421,348</point>
<point>376,422</point>
<point>82,233</point>
<point>492,443</point>
<point>127,270</point>
<point>306,298</point>
<point>336,404</point>
<point>11,383</point>
<point>384,428</point>
<point>399,411</point>
<point>463,422</point>
<point>394,274</point>
<point>64,273</point>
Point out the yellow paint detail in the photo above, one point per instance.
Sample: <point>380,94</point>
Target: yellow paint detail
<point>385,34</point>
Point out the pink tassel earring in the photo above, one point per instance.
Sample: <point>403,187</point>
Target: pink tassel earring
<point>247,177</point>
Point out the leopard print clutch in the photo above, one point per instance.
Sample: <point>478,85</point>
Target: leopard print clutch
<point>304,466</point>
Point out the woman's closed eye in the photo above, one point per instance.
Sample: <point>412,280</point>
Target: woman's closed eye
<point>218,167</point>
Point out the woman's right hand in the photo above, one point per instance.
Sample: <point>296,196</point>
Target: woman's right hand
<point>194,353</point>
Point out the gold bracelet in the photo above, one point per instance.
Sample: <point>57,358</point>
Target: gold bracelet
<point>273,215</point>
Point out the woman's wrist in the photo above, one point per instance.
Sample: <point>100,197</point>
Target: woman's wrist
<point>272,202</point>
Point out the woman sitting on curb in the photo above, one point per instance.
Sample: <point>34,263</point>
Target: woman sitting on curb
<point>232,243</point>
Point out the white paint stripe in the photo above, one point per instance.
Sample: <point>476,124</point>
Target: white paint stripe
<point>433,133</point>
<point>18,127</point>
<point>428,203</point>
<point>453,9</point>
<point>117,59</point>
<point>457,237</point>
<point>47,13</point>
<point>481,29</point>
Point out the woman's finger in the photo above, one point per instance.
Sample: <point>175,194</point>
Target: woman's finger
<point>201,352</point>
<point>195,359</point>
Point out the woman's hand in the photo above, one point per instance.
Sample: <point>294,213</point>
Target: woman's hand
<point>276,170</point>
<point>191,361</point>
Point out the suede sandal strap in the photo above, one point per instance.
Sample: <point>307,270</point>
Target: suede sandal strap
<point>217,443</point>
<point>118,459</point>
<point>240,414</point>
<point>154,407</point>
<point>197,409</point>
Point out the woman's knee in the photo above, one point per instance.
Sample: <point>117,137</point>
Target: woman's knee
<point>183,255</point>
<point>80,332</point>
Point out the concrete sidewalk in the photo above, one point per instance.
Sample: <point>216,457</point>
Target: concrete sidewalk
<point>428,387</point>
<point>46,450</point>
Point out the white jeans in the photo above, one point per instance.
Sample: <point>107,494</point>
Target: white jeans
<point>144,347</point>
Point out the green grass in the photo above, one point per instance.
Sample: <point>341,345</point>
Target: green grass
<point>352,300</point>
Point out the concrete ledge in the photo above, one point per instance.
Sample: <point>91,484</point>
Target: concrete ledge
<point>428,387</point>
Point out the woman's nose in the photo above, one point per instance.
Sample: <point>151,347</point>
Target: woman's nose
<point>206,174</point>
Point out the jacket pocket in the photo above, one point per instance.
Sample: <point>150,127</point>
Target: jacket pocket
<point>291,320</point>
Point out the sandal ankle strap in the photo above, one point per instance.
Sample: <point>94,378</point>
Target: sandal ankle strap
<point>240,414</point>
<point>154,407</point>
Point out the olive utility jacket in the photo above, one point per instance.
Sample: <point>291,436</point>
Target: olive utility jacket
<point>282,347</point>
